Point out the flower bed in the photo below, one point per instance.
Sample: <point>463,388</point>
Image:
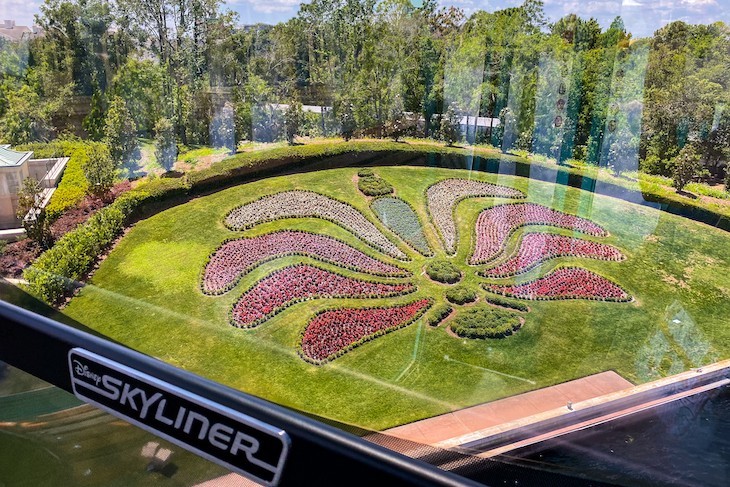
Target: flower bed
<point>539,247</point>
<point>235,258</point>
<point>301,282</point>
<point>332,333</point>
<point>496,224</point>
<point>564,283</point>
<point>442,198</point>
<point>302,204</point>
<point>400,218</point>
<point>486,322</point>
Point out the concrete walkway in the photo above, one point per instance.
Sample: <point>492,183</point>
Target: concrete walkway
<point>438,429</point>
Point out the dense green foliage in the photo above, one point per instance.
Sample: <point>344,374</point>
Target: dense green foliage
<point>506,302</point>
<point>568,90</point>
<point>443,271</point>
<point>461,295</point>
<point>374,186</point>
<point>438,314</point>
<point>483,321</point>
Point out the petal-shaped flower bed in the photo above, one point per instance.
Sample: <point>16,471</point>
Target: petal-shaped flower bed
<point>564,283</point>
<point>538,247</point>
<point>300,204</point>
<point>496,224</point>
<point>402,220</point>
<point>442,198</point>
<point>300,282</point>
<point>331,333</point>
<point>236,258</point>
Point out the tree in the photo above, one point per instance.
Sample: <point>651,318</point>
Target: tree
<point>685,167</point>
<point>292,120</point>
<point>32,214</point>
<point>99,170</point>
<point>165,143</point>
<point>347,121</point>
<point>94,121</point>
<point>451,126</point>
<point>121,135</point>
<point>727,178</point>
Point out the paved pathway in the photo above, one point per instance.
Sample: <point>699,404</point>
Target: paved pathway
<point>464,421</point>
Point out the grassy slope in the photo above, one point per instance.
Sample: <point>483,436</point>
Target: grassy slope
<point>146,295</point>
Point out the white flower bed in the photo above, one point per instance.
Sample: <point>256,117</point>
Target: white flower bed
<point>443,196</point>
<point>301,204</point>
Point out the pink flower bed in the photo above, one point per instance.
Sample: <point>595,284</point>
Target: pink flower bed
<point>496,224</point>
<point>442,198</point>
<point>300,282</point>
<point>308,204</point>
<point>538,247</point>
<point>334,332</point>
<point>564,283</point>
<point>237,257</point>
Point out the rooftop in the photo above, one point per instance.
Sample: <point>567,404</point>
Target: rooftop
<point>11,158</point>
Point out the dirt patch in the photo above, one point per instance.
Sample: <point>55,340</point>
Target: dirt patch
<point>203,162</point>
<point>669,279</point>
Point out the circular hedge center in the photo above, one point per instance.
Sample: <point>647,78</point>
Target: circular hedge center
<point>486,322</point>
<point>443,271</point>
<point>461,295</point>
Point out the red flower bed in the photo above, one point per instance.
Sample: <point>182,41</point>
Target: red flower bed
<point>538,247</point>
<point>300,282</point>
<point>237,257</point>
<point>334,332</point>
<point>496,224</point>
<point>564,283</point>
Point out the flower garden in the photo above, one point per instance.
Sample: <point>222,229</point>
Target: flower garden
<point>305,291</point>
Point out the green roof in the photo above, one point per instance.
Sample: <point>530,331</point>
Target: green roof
<point>10,158</point>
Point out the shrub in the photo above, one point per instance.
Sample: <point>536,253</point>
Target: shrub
<point>486,322</point>
<point>365,172</point>
<point>507,303</point>
<point>374,186</point>
<point>685,167</point>
<point>461,295</point>
<point>443,271</point>
<point>439,314</point>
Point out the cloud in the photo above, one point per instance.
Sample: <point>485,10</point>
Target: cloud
<point>22,11</point>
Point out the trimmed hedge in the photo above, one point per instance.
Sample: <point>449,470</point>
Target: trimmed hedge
<point>486,322</point>
<point>439,314</point>
<point>507,303</point>
<point>363,173</point>
<point>374,186</point>
<point>443,271</point>
<point>461,295</point>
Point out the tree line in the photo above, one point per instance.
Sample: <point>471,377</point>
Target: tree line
<point>186,72</point>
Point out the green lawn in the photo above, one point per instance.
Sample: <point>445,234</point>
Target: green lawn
<point>146,294</point>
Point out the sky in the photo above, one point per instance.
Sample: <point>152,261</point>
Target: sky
<point>641,17</point>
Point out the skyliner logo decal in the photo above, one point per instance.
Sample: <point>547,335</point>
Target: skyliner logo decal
<point>220,434</point>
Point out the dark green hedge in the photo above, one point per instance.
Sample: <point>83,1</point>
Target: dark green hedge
<point>374,186</point>
<point>439,314</point>
<point>461,295</point>
<point>507,303</point>
<point>484,321</point>
<point>443,271</point>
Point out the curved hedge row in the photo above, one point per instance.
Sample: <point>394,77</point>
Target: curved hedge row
<point>461,295</point>
<point>439,314</point>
